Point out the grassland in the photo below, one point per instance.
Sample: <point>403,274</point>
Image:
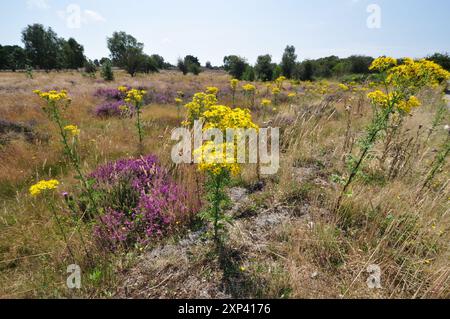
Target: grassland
<point>287,241</point>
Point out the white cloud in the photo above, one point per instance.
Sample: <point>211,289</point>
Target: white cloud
<point>39,4</point>
<point>93,16</point>
<point>75,17</point>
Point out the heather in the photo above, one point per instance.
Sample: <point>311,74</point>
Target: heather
<point>140,200</point>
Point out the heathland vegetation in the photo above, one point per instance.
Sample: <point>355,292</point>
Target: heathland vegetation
<point>87,175</point>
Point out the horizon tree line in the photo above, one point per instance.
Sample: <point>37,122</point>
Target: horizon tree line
<point>44,50</point>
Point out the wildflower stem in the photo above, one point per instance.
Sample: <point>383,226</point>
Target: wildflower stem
<point>73,158</point>
<point>58,222</point>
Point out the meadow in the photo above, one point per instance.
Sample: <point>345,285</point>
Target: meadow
<point>340,204</point>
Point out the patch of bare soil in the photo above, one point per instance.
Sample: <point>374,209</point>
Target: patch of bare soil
<point>192,268</point>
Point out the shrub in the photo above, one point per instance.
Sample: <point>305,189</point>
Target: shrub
<point>107,72</point>
<point>110,94</point>
<point>140,200</point>
<point>90,67</point>
<point>110,109</point>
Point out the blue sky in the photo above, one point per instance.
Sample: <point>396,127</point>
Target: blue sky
<point>211,29</point>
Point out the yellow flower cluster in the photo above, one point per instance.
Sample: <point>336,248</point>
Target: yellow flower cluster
<point>276,91</point>
<point>279,81</point>
<point>73,130</point>
<point>204,106</point>
<point>249,88</point>
<point>265,102</point>
<point>43,186</point>
<point>134,96</point>
<point>382,64</point>
<point>201,102</point>
<point>343,87</point>
<point>223,117</point>
<point>178,100</point>
<point>212,90</point>
<point>416,74</point>
<point>406,79</point>
<point>52,96</point>
<point>234,83</point>
<point>123,89</point>
<point>408,105</point>
<point>124,108</point>
<point>379,98</point>
<point>213,158</point>
<point>292,95</point>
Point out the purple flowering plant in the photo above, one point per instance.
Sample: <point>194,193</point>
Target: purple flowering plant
<point>141,202</point>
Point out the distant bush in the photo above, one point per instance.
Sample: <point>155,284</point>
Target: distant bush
<point>235,66</point>
<point>110,94</point>
<point>190,64</point>
<point>90,68</point>
<point>249,74</point>
<point>110,109</point>
<point>107,72</point>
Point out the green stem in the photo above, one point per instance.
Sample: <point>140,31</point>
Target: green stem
<point>217,184</point>
<point>58,222</point>
<point>138,108</point>
<point>73,157</point>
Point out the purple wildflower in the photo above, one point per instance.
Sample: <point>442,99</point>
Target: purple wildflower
<point>159,201</point>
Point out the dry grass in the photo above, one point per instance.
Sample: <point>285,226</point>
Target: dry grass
<point>308,253</point>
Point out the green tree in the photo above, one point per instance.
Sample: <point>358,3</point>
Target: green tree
<point>42,47</point>
<point>264,68</point>
<point>182,66</point>
<point>158,61</point>
<point>235,66</point>
<point>12,57</point>
<point>305,71</point>
<point>249,74</point>
<point>126,52</point>
<point>288,61</point>
<point>73,54</point>
<point>150,64</point>
<point>359,64</point>
<point>190,64</point>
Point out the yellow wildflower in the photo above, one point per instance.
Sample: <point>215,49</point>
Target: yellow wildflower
<point>43,186</point>
<point>212,90</point>
<point>52,96</point>
<point>408,105</point>
<point>123,108</point>
<point>201,102</point>
<point>213,158</point>
<point>249,88</point>
<point>73,130</point>
<point>379,98</point>
<point>383,63</point>
<point>234,83</point>
<point>265,102</point>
